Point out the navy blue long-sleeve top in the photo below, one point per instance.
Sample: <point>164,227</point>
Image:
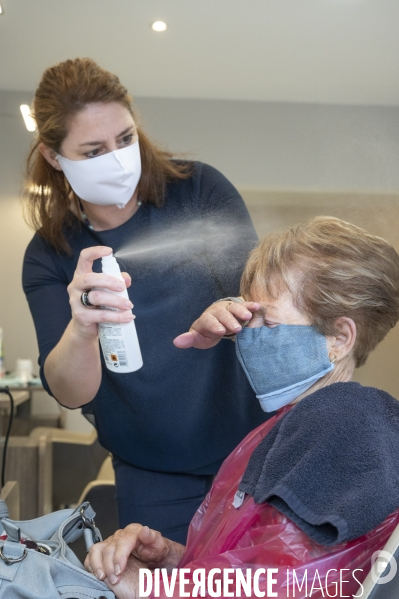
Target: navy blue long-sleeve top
<point>184,410</point>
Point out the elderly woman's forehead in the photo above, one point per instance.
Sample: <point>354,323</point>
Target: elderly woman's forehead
<point>275,286</point>
<point>264,297</point>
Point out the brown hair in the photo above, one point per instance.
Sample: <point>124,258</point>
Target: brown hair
<point>340,270</point>
<point>64,90</point>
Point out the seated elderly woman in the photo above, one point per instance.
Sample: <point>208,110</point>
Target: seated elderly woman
<point>313,492</point>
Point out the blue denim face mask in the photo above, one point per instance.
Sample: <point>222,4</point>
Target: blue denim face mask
<point>282,362</point>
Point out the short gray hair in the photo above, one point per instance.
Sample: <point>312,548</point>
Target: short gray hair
<point>344,271</point>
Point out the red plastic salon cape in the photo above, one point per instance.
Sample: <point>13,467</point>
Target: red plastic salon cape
<point>258,536</point>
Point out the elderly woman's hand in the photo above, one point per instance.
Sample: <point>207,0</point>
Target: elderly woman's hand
<point>127,586</point>
<point>85,319</point>
<point>221,318</point>
<point>108,560</point>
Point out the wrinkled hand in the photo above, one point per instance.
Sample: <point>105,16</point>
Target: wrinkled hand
<point>85,319</point>
<point>127,586</point>
<point>109,560</point>
<point>222,318</point>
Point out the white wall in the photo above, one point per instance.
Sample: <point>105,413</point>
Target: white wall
<point>262,145</point>
<point>283,146</point>
<point>15,319</point>
<point>294,148</point>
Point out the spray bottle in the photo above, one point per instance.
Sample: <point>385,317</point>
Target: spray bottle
<point>119,341</point>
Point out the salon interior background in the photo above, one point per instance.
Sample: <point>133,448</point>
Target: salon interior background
<point>297,103</point>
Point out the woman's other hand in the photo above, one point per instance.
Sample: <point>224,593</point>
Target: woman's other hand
<point>85,319</point>
<point>108,560</point>
<point>221,318</point>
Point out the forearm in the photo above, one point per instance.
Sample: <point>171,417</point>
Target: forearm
<point>73,368</point>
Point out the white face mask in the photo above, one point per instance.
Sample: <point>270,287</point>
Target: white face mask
<point>107,180</point>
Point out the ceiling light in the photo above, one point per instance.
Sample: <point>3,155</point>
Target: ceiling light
<point>28,118</point>
<point>1,10</point>
<point>159,26</point>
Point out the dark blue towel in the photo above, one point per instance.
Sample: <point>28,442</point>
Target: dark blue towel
<point>331,464</point>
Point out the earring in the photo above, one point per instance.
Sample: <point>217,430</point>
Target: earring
<point>332,360</point>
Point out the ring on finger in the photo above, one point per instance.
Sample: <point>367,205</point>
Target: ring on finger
<point>84,299</point>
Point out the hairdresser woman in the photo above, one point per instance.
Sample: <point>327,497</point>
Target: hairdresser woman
<point>97,184</point>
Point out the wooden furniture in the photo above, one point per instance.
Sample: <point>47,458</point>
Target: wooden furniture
<point>19,398</point>
<point>27,391</point>
<point>10,494</point>
<point>29,462</point>
<point>76,460</point>
<point>24,422</point>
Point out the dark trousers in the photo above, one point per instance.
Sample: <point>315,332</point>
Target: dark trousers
<point>163,501</point>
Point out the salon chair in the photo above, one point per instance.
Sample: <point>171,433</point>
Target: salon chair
<point>374,586</point>
<point>76,460</point>
<point>29,462</point>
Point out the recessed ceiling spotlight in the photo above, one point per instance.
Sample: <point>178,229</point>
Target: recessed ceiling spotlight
<point>159,26</point>
<point>1,10</point>
<point>30,122</point>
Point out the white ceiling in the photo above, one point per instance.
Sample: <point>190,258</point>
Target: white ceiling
<point>329,51</point>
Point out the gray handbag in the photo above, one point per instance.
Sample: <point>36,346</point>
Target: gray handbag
<point>36,562</point>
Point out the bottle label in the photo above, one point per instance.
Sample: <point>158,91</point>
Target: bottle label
<point>113,345</point>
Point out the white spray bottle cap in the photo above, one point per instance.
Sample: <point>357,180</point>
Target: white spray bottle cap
<point>110,266</point>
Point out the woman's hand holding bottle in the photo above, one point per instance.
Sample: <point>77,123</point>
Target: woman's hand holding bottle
<point>98,287</point>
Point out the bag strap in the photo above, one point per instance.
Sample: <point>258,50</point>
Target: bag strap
<point>78,522</point>
<point>11,529</point>
<point>82,520</point>
<point>12,552</point>
<point>4,513</point>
